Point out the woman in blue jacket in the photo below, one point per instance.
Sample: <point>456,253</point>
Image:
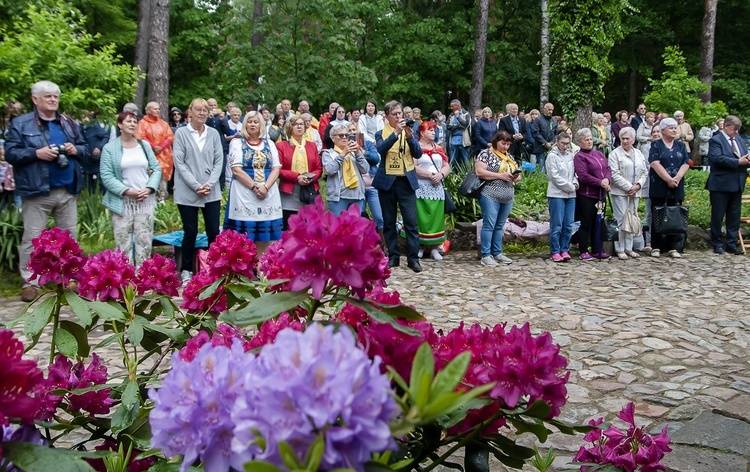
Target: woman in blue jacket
<point>484,130</point>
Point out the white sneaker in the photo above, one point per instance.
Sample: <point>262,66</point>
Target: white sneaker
<point>421,253</point>
<point>186,276</point>
<point>674,254</point>
<point>435,254</point>
<point>488,261</point>
<point>503,258</point>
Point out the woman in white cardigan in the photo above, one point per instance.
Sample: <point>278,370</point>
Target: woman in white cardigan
<point>629,174</point>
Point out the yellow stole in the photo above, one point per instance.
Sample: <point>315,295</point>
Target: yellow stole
<point>347,169</point>
<point>299,158</point>
<point>602,132</point>
<point>506,163</point>
<point>398,160</point>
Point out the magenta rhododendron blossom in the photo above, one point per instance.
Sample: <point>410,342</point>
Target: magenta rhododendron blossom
<point>19,380</point>
<point>322,249</point>
<point>232,254</point>
<point>632,451</point>
<point>63,374</point>
<point>56,257</point>
<point>353,315</point>
<point>223,336</point>
<point>159,274</point>
<point>272,269</point>
<point>271,328</point>
<point>193,289</point>
<point>106,275</point>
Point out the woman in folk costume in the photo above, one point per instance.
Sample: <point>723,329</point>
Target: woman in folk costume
<point>254,204</point>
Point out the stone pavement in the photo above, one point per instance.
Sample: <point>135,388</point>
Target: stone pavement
<point>670,335</point>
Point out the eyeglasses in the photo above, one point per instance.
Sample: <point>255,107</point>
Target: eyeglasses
<point>176,113</point>
<point>341,135</point>
<point>201,111</point>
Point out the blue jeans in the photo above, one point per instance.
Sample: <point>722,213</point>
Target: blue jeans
<point>494,215</point>
<point>459,152</point>
<point>561,216</point>
<point>343,204</point>
<point>373,201</point>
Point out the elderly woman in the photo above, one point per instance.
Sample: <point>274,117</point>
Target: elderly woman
<point>499,169</point>
<point>301,167</point>
<point>623,121</point>
<point>646,150</point>
<point>601,135</point>
<point>484,130</point>
<point>432,167</point>
<point>198,162</point>
<point>629,174</point>
<point>254,204</point>
<point>344,163</point>
<point>643,133</point>
<point>684,130</point>
<point>561,196</point>
<point>131,192</point>
<point>669,163</point>
<point>338,119</point>
<point>594,176</point>
<point>311,134</point>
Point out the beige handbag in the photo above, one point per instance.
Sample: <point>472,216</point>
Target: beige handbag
<point>631,223</point>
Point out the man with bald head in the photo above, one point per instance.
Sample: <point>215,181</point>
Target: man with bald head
<point>304,107</point>
<point>516,127</point>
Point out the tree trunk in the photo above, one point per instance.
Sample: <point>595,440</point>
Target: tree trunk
<point>707,47</point>
<point>480,53</point>
<point>141,49</point>
<point>583,117</point>
<point>158,57</point>
<point>257,13</point>
<point>544,83</point>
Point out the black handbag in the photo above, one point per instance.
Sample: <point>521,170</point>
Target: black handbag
<point>307,194</point>
<point>609,227</point>
<point>472,185</point>
<point>670,219</point>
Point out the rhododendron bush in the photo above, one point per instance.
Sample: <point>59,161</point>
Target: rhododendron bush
<point>300,359</point>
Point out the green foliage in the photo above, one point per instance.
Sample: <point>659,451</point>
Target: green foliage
<point>531,198</point>
<point>696,197</point>
<point>52,44</point>
<point>11,231</point>
<point>732,84</point>
<point>582,34</point>
<point>678,90</point>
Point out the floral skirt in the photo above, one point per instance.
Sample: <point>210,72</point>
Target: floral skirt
<point>430,221</point>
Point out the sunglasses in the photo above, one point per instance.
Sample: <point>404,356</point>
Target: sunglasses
<point>342,135</point>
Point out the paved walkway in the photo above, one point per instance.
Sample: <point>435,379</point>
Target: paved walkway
<point>670,335</point>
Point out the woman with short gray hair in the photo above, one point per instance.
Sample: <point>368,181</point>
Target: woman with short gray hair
<point>344,163</point>
<point>629,173</point>
<point>594,178</point>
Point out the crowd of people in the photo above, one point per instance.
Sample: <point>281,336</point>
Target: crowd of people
<point>381,162</point>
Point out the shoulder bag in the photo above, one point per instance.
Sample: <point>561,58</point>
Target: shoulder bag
<point>450,205</point>
<point>670,219</point>
<point>610,229</point>
<point>472,185</point>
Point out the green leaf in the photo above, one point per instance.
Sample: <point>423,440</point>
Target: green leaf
<point>211,289</point>
<point>460,413</point>
<point>81,336</point>
<point>264,308</point>
<point>35,322</point>
<point>380,316</point>
<point>538,409</point>
<point>538,430</point>
<point>288,456</point>
<point>314,455</point>
<point>260,466</point>
<point>130,396</point>
<point>107,312</point>
<point>36,458</point>
<point>128,409</point>
<point>66,343</point>
<point>447,379</point>
<point>422,372</point>
<point>135,331</point>
<point>79,307</point>
<point>167,306</point>
<point>175,334</point>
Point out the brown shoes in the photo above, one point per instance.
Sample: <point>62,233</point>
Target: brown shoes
<point>28,294</point>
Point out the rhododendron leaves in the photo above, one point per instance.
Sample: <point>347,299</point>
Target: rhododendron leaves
<point>79,307</point>
<point>81,336</point>
<point>264,308</point>
<point>539,409</point>
<point>537,429</point>
<point>66,343</point>
<point>508,452</point>
<point>422,373</point>
<point>135,331</point>
<point>175,334</point>
<point>447,379</point>
<point>211,289</point>
<point>35,322</point>
<point>107,312</point>
<point>380,314</point>
<point>38,458</point>
<point>128,410</point>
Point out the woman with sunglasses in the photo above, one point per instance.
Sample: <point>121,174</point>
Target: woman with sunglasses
<point>176,119</point>
<point>339,119</point>
<point>345,163</point>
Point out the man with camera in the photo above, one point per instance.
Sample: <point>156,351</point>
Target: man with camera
<point>45,149</point>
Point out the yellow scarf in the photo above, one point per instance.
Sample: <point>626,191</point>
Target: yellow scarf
<point>398,159</point>
<point>347,169</point>
<point>506,163</point>
<point>602,132</point>
<point>299,158</point>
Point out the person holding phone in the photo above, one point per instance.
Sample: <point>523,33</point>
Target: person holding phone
<point>301,167</point>
<point>344,163</point>
<point>501,172</point>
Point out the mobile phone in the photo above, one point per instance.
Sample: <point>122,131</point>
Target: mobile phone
<point>352,137</point>
<point>516,172</point>
<point>309,175</point>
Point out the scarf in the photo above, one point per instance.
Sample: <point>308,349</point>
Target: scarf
<point>299,158</point>
<point>506,163</point>
<point>602,132</point>
<point>347,169</point>
<point>398,159</point>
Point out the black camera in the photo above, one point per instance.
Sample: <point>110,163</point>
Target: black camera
<point>62,160</point>
<point>409,122</point>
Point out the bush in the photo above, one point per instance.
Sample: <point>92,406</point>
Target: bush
<point>11,229</point>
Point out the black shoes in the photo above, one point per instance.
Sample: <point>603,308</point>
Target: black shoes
<point>414,265</point>
<point>393,262</point>
<point>735,250</point>
<point>718,250</point>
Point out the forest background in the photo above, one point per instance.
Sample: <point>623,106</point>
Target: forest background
<point>605,54</point>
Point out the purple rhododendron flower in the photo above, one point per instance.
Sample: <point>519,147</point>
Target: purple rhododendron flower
<point>63,374</point>
<point>158,273</point>
<point>310,382</point>
<point>56,257</point>
<point>106,275</point>
<point>191,414</point>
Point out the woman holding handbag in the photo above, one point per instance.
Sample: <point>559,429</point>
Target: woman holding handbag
<point>431,169</point>
<point>629,173</point>
<point>669,163</point>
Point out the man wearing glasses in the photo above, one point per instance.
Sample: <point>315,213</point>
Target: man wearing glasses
<point>396,182</point>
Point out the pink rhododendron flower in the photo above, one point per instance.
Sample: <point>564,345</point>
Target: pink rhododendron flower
<point>56,257</point>
<point>106,275</point>
<point>269,329</point>
<point>633,451</point>
<point>19,380</point>
<point>320,248</point>
<point>223,336</point>
<point>232,254</point>
<point>158,273</point>
<point>191,294</point>
<point>353,315</point>
<point>272,270</point>
<point>63,374</point>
